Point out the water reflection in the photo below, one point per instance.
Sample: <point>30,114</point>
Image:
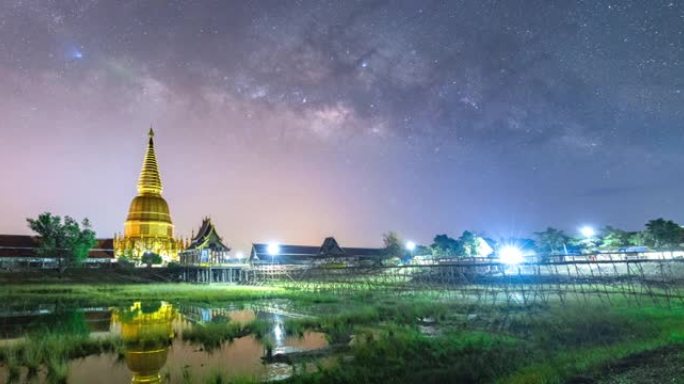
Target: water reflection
<point>154,348</point>
<point>17,323</point>
<point>147,333</point>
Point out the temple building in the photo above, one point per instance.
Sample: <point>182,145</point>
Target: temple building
<point>327,254</point>
<point>207,248</point>
<point>21,251</point>
<point>148,227</point>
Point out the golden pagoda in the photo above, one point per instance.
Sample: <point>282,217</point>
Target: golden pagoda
<point>148,227</point>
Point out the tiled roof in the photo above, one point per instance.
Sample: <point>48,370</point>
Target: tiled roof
<point>25,246</point>
<point>289,253</point>
<point>207,237</point>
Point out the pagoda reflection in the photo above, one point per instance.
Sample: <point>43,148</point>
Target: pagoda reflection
<point>147,333</point>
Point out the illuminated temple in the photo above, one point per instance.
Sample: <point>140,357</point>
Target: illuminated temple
<point>206,248</point>
<point>148,227</point>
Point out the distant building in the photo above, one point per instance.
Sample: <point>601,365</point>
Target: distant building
<point>148,227</point>
<point>21,251</point>
<point>207,248</point>
<point>329,253</point>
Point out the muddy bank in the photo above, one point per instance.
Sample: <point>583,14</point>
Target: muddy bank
<point>663,365</point>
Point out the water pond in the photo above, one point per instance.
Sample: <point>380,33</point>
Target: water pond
<point>161,342</point>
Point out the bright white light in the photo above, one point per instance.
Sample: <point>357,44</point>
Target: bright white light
<point>240,255</point>
<point>510,254</point>
<point>278,333</point>
<point>587,231</point>
<point>410,246</point>
<point>273,249</point>
<point>278,328</point>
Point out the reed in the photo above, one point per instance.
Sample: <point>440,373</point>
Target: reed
<point>213,335</point>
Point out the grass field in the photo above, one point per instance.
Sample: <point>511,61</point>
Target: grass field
<point>114,294</point>
<point>403,338</point>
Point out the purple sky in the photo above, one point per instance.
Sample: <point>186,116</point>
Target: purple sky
<point>292,121</point>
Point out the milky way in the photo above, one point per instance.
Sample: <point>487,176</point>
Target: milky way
<point>296,120</point>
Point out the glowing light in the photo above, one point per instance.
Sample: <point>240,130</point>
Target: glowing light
<point>273,249</point>
<point>278,333</point>
<point>410,246</point>
<point>74,53</point>
<point>510,254</point>
<point>240,255</point>
<point>278,330</point>
<point>587,231</point>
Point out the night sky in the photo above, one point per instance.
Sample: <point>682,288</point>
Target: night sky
<point>294,120</point>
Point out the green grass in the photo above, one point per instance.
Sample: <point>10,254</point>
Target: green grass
<point>337,327</point>
<point>38,348</point>
<point>403,355</point>
<point>213,335</point>
<point>541,344</point>
<point>53,350</point>
<point>110,295</point>
<point>598,336</point>
<point>547,343</point>
<point>10,358</point>
<point>57,370</point>
<point>217,377</point>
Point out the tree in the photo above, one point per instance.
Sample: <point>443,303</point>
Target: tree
<point>585,245</point>
<point>637,238</point>
<point>663,234</point>
<point>393,245</point>
<point>614,238</point>
<point>80,239</point>
<point>469,244</point>
<point>422,250</point>
<point>552,241</point>
<point>66,241</point>
<point>445,246</point>
<point>52,238</point>
<point>150,258</point>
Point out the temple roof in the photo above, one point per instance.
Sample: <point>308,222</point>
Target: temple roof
<point>27,246</point>
<point>149,214</point>
<point>304,253</point>
<point>149,181</point>
<point>207,237</point>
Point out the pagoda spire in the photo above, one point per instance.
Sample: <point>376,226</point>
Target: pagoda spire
<point>149,182</point>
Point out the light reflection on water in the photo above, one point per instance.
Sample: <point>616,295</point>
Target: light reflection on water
<point>155,352</point>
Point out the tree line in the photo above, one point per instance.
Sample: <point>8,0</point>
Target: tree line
<point>70,241</point>
<point>658,234</point>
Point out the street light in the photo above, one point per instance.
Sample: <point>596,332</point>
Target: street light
<point>589,242</point>
<point>273,249</point>
<point>511,255</point>
<point>587,231</point>
<point>410,246</point>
